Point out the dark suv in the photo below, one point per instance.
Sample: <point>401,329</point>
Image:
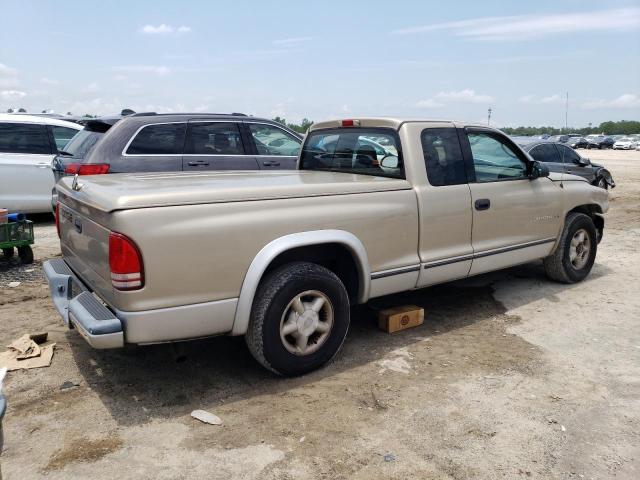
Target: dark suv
<point>170,142</point>
<point>560,158</point>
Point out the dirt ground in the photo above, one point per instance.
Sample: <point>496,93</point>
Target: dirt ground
<point>511,376</point>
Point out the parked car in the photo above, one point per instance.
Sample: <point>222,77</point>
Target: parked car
<point>624,143</point>
<point>27,146</point>
<point>70,159</point>
<point>562,159</point>
<point>600,142</point>
<point>559,138</point>
<point>150,142</point>
<point>577,142</point>
<point>280,258</point>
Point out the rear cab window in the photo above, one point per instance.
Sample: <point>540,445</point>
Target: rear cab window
<point>158,139</point>
<point>364,151</point>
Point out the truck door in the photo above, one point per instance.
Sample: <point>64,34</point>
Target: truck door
<point>444,202</point>
<point>216,145</point>
<point>515,219</point>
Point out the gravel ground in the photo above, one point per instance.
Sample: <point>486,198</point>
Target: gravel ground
<point>511,376</point>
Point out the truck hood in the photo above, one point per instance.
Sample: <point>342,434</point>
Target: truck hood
<point>127,191</point>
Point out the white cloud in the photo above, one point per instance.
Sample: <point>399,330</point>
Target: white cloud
<point>527,99</point>
<point>627,100</point>
<point>528,26</point>
<point>6,71</point>
<point>552,99</point>
<point>463,96</point>
<point>291,41</point>
<point>49,81</point>
<point>429,103</point>
<point>157,69</point>
<point>163,29</point>
<point>12,94</point>
<point>93,87</point>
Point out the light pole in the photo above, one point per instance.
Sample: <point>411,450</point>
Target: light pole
<point>489,116</point>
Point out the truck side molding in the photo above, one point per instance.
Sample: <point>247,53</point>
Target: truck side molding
<point>280,245</point>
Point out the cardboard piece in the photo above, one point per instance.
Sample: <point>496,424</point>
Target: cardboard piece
<point>27,352</point>
<point>25,347</point>
<point>400,318</point>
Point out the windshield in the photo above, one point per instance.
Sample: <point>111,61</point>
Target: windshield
<point>82,142</point>
<point>366,151</point>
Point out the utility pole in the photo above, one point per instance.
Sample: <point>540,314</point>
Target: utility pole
<point>566,113</point>
<point>489,116</point>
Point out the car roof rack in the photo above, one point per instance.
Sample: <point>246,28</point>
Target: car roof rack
<point>146,114</point>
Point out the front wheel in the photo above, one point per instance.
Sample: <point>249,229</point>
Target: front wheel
<point>602,183</point>
<point>299,319</point>
<point>576,252</point>
<point>8,252</point>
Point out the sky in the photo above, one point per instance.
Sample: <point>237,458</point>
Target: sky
<point>327,59</point>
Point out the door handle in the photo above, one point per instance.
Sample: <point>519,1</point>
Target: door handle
<point>43,165</point>
<point>198,163</point>
<point>483,204</point>
<point>271,163</point>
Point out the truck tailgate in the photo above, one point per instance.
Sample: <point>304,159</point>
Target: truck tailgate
<point>85,247</point>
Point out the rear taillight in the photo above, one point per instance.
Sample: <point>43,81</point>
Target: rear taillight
<point>125,263</point>
<point>58,218</point>
<point>86,168</point>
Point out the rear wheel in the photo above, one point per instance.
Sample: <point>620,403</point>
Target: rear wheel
<point>574,257</point>
<point>299,319</point>
<point>8,252</point>
<point>26,254</point>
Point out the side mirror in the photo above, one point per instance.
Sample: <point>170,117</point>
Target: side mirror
<point>538,169</point>
<point>582,162</point>
<point>390,161</point>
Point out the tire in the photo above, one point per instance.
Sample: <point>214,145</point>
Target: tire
<point>25,254</point>
<point>602,183</point>
<point>274,312</point>
<point>559,266</point>
<point>8,252</point>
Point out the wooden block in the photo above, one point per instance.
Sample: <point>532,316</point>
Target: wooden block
<point>400,318</point>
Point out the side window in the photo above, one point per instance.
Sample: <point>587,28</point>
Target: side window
<point>160,139</point>
<point>215,138</point>
<point>62,135</point>
<point>443,157</point>
<point>546,153</point>
<point>568,155</point>
<point>272,140</point>
<point>24,138</point>
<point>494,159</point>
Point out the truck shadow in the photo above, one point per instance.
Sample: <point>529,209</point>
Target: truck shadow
<point>139,384</point>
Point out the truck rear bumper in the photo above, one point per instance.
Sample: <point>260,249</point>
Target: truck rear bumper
<point>103,328</point>
<point>80,309</point>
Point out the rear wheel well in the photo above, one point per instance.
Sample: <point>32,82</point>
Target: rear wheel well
<point>333,256</point>
<point>594,211</point>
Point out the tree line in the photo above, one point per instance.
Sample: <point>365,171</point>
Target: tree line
<point>622,127</point>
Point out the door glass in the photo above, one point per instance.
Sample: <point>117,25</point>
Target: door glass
<point>443,157</point>
<point>546,153</point>
<point>493,159</point>
<point>568,155</point>
<point>160,139</point>
<point>216,138</point>
<point>272,140</point>
<point>24,138</point>
<point>62,135</point>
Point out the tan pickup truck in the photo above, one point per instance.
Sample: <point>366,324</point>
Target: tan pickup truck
<point>377,206</point>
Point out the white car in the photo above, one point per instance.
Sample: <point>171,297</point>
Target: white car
<point>625,143</point>
<point>27,147</point>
